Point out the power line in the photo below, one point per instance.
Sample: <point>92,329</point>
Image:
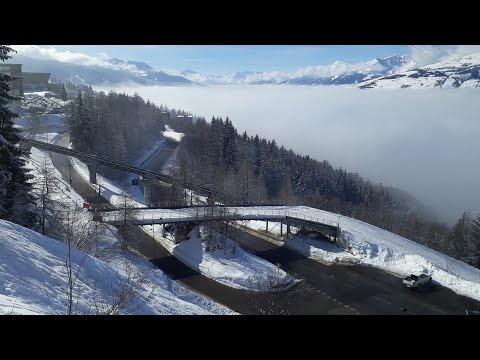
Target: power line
<point>430,56</point>
<point>447,54</point>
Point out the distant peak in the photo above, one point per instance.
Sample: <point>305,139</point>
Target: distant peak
<point>188,72</point>
<point>138,64</point>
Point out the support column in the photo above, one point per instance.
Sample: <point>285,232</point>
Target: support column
<point>147,192</point>
<point>288,230</point>
<point>92,169</point>
<point>267,225</point>
<point>281,229</point>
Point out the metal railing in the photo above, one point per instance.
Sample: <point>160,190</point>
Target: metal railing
<point>200,214</point>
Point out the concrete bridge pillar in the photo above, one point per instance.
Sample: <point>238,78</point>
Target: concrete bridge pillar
<point>288,230</point>
<point>267,226</point>
<point>147,192</point>
<point>281,229</point>
<point>92,169</point>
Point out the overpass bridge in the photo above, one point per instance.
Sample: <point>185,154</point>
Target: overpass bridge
<point>289,216</point>
<point>93,161</point>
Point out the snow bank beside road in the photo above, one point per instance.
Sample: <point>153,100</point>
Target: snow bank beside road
<point>382,249</point>
<point>230,265</point>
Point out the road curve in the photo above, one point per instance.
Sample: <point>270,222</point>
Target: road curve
<point>365,289</point>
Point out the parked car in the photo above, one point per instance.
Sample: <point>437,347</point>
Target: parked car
<point>417,281</point>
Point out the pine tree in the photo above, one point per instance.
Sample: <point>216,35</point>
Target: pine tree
<point>64,95</point>
<point>459,236</point>
<point>81,125</point>
<point>475,228</point>
<point>15,197</point>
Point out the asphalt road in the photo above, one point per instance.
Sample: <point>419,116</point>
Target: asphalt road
<point>366,290</point>
<point>333,289</point>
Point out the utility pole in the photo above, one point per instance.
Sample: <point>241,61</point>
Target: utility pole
<point>70,169</point>
<point>153,243</point>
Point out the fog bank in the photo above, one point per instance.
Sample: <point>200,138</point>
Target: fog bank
<point>425,141</point>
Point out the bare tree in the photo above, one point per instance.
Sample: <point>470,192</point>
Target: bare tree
<point>272,297</point>
<point>49,193</point>
<point>124,296</point>
<point>35,120</point>
<point>79,233</point>
<point>127,230</point>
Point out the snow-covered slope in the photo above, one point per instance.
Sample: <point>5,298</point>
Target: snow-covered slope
<point>452,73</point>
<point>33,272</point>
<point>33,279</point>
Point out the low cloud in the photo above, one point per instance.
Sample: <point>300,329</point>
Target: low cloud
<point>50,53</point>
<point>316,71</point>
<point>424,141</point>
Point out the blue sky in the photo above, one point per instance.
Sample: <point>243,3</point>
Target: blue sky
<point>218,59</point>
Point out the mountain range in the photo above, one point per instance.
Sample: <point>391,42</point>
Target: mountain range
<point>113,71</point>
<point>451,73</point>
<point>338,73</point>
<point>391,72</point>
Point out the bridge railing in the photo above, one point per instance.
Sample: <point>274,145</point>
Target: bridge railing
<point>149,216</point>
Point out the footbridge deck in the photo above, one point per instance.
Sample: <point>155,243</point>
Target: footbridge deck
<point>197,214</point>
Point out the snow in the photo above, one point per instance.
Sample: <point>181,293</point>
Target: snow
<point>171,134</point>
<point>382,249</point>
<point>49,138</point>
<point>67,196</point>
<point>115,192</point>
<point>231,265</point>
<point>312,245</point>
<point>39,93</point>
<point>273,227</point>
<point>446,74</point>
<point>369,244</point>
<point>320,250</point>
<point>37,100</point>
<point>243,271</point>
<point>46,120</point>
<point>33,278</point>
<point>33,273</point>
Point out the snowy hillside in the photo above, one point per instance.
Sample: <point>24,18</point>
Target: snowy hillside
<point>33,279</point>
<point>338,73</point>
<point>452,73</point>
<point>33,268</point>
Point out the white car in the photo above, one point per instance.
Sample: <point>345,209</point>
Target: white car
<point>417,281</point>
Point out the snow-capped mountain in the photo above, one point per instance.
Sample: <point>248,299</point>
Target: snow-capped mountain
<point>238,78</point>
<point>112,71</point>
<point>141,66</point>
<point>452,73</point>
<point>338,73</point>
